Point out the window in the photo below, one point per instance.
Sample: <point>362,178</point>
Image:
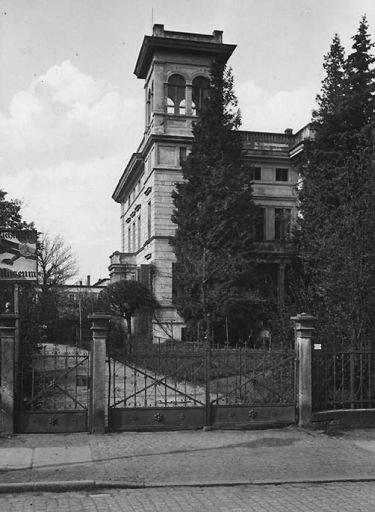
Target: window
<point>139,231</point>
<point>123,233</point>
<point>149,104</point>
<point>282,224</point>
<point>182,155</point>
<point>176,102</point>
<point>149,220</point>
<point>175,269</point>
<point>133,241</point>
<point>129,240</point>
<point>256,173</point>
<point>282,175</point>
<point>200,93</point>
<point>259,226</point>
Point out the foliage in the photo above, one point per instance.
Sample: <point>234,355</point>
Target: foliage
<point>337,200</point>
<point>11,218</point>
<point>215,215</point>
<point>127,298</point>
<point>10,214</point>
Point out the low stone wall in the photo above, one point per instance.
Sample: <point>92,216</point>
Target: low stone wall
<point>345,418</point>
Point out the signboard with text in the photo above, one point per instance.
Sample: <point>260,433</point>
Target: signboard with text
<point>18,256</point>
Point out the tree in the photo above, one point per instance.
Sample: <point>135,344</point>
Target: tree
<point>127,298</point>
<point>10,213</point>
<point>337,200</point>
<point>10,218</point>
<point>215,213</point>
<point>56,262</point>
<point>56,265</point>
<point>360,84</point>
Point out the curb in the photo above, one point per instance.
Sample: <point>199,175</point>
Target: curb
<point>92,485</point>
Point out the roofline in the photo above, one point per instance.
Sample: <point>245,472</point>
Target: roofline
<point>151,44</point>
<point>134,161</point>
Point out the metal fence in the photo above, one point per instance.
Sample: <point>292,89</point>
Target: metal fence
<point>343,379</point>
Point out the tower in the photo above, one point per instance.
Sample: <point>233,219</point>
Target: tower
<point>175,68</point>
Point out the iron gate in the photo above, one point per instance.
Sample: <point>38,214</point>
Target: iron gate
<point>250,387</point>
<point>159,386</point>
<point>53,390</point>
<point>182,385</point>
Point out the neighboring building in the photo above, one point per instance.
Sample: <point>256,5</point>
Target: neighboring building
<point>175,67</point>
<point>76,302</point>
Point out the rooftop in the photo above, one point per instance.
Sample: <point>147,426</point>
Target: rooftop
<point>180,42</point>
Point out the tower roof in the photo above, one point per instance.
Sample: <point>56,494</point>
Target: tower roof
<point>181,42</point>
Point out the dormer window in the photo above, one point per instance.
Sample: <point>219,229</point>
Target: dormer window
<point>176,101</point>
<point>200,92</point>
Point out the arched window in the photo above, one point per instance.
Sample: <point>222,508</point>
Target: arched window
<point>176,102</point>
<point>200,93</point>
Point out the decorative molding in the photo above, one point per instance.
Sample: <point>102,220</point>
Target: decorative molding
<point>148,256</point>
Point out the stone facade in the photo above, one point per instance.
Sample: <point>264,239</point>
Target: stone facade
<point>175,66</point>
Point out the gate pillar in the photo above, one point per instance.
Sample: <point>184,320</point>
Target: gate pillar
<point>7,387</point>
<point>303,328</point>
<point>99,328</point>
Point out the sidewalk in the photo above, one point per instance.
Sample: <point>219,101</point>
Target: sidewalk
<point>184,458</point>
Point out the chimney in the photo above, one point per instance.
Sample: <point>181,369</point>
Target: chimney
<point>218,36</point>
<point>88,281</point>
<point>158,30</point>
<point>289,131</point>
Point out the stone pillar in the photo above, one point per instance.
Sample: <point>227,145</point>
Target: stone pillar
<point>7,384</point>
<point>99,328</point>
<point>189,99</point>
<point>303,328</point>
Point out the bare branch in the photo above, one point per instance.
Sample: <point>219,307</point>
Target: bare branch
<point>57,264</point>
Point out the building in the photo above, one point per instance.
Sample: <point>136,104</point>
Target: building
<point>175,68</point>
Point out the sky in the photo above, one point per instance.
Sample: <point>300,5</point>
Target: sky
<point>72,111</point>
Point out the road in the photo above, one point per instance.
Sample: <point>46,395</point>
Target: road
<point>340,497</point>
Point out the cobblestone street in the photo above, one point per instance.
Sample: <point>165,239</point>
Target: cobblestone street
<point>344,497</point>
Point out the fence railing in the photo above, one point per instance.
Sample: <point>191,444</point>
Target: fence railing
<point>343,380</point>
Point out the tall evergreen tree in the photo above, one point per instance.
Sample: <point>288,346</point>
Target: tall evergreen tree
<point>215,214</point>
<point>338,197</point>
<point>360,84</point>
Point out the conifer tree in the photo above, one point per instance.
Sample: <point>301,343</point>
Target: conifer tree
<point>215,213</point>
<point>337,200</point>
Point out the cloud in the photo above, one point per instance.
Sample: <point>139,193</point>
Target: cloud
<point>262,111</point>
<point>74,200</point>
<point>63,145</point>
<point>66,114</point>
